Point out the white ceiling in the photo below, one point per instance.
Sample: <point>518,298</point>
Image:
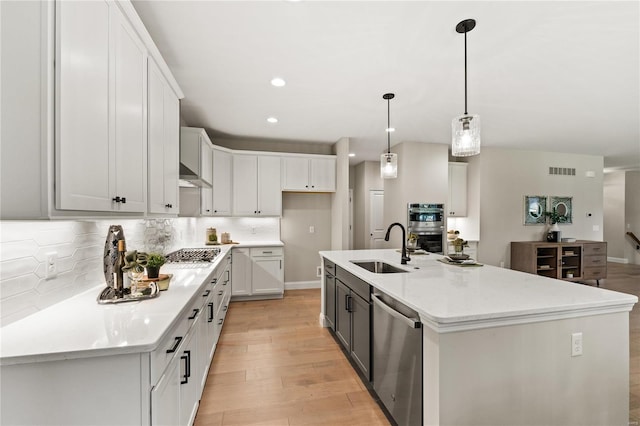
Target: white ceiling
<point>543,75</point>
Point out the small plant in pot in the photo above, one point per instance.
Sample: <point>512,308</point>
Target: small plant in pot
<point>154,262</point>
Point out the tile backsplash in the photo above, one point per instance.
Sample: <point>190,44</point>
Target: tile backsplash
<point>79,247</point>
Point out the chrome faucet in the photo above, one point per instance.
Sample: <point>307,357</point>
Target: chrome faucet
<point>405,257</point>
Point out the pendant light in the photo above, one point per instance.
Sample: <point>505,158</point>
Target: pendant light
<point>465,129</point>
<point>389,160</point>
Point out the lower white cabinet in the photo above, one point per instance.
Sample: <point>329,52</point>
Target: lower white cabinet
<point>258,272</point>
<point>165,397</point>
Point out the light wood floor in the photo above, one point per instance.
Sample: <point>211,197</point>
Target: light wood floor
<point>275,365</point>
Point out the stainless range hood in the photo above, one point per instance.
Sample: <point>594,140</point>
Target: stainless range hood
<point>196,157</point>
<point>189,178</point>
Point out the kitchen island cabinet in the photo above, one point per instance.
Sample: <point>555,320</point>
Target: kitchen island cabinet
<point>500,340</point>
<point>141,361</point>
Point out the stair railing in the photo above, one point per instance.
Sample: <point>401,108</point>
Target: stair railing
<point>635,239</point>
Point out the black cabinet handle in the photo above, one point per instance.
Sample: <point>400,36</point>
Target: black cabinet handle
<point>195,314</point>
<point>169,206</point>
<point>225,307</point>
<point>220,321</point>
<point>255,211</point>
<point>175,345</point>
<point>220,293</point>
<point>214,281</point>
<point>346,302</point>
<point>116,199</point>
<point>259,211</point>
<point>215,211</point>
<point>188,363</point>
<point>210,319</point>
<point>206,293</point>
<point>208,210</point>
<point>124,200</point>
<point>185,376</point>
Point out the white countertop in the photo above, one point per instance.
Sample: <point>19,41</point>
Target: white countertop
<point>241,244</point>
<point>452,298</point>
<point>79,327</point>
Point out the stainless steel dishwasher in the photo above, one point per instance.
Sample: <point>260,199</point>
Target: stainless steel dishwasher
<point>397,359</point>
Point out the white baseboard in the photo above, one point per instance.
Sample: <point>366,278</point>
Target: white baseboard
<point>298,285</point>
<point>617,259</point>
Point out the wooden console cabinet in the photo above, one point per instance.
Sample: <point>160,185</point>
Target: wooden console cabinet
<point>585,260</point>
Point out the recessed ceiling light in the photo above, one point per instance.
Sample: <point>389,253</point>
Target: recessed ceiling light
<point>272,120</point>
<point>390,129</point>
<point>351,154</point>
<point>278,82</point>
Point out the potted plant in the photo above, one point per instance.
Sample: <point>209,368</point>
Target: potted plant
<point>154,262</point>
<point>412,242</point>
<point>459,244</point>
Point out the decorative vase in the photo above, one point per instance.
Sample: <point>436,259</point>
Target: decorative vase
<point>458,249</point>
<point>115,234</point>
<point>153,271</point>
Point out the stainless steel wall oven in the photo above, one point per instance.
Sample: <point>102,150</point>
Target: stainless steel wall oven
<point>427,222</point>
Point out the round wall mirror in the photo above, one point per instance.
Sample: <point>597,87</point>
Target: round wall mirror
<point>561,209</point>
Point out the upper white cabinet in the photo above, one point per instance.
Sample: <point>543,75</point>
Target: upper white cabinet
<point>256,185</point>
<point>196,156</point>
<point>309,173</point>
<point>216,201</point>
<point>164,132</point>
<point>79,70</point>
<point>457,190</point>
<point>101,82</point>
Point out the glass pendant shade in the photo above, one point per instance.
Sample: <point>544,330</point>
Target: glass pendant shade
<point>465,135</point>
<point>389,165</point>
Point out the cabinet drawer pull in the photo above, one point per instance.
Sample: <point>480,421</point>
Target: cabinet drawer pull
<point>220,293</point>
<point>188,363</point>
<point>175,345</point>
<point>195,314</point>
<point>267,252</point>
<point>214,281</point>
<point>210,319</point>
<point>185,378</point>
<point>225,307</point>
<point>206,293</point>
<point>220,321</point>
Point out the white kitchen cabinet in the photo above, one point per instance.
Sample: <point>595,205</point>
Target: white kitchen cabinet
<point>196,156</point>
<point>165,397</point>
<point>258,272</point>
<point>163,146</point>
<point>317,173</point>
<point>79,70</point>
<point>216,201</point>
<point>101,140</point>
<point>457,206</point>
<point>256,185</point>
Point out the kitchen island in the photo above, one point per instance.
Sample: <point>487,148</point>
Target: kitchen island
<point>497,343</point>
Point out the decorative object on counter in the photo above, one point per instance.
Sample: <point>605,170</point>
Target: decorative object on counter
<point>226,239</point>
<point>412,243</point>
<point>389,160</point>
<point>135,263</point>
<point>534,209</point>
<point>108,295</point>
<point>114,234</point>
<point>212,236</point>
<point>569,274</point>
<point>154,262</point>
<point>162,280</point>
<point>452,235</point>
<point>459,262</point>
<point>459,244</point>
<point>465,129</point>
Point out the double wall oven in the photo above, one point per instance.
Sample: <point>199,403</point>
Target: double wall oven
<point>427,222</point>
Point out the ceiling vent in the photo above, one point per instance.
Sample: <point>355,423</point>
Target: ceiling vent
<point>562,171</point>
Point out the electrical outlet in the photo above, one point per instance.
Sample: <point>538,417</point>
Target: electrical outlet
<point>312,229</point>
<point>51,266</point>
<point>576,344</point>
<point>318,271</point>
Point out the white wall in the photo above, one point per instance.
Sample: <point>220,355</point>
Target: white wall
<point>614,215</point>
<point>506,176</point>
<point>301,247</point>
<point>632,214</point>
<point>366,178</point>
<point>340,198</point>
<point>423,176</point>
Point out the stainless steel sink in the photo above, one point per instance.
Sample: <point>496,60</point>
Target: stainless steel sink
<point>378,267</point>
